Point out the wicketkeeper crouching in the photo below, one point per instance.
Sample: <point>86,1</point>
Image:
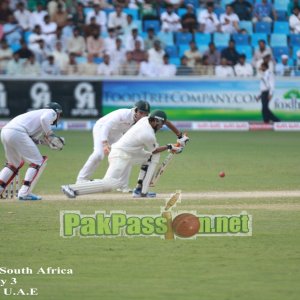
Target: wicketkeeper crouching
<point>137,146</point>
<point>20,138</point>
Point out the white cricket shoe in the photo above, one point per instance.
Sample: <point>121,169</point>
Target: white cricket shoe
<point>68,191</point>
<point>125,190</point>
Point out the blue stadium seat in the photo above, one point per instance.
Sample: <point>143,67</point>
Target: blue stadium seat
<point>182,49</point>
<point>87,10</point>
<point>247,25</point>
<point>263,27</point>
<point>281,15</point>
<point>295,40</point>
<point>15,47</point>
<point>108,10</point>
<point>194,2</point>
<point>172,51</point>
<point>181,12</point>
<point>281,4</point>
<point>278,40</point>
<point>244,49</point>
<point>295,50</point>
<point>81,59</point>
<point>133,12</point>
<point>281,27</point>
<point>225,2</point>
<point>241,39</point>
<point>278,51</point>
<point>155,24</point>
<point>258,36</point>
<point>221,39</point>
<point>27,35</point>
<point>202,38</point>
<point>98,60</point>
<point>183,38</point>
<point>218,11</point>
<point>174,61</point>
<point>202,48</point>
<point>166,37</point>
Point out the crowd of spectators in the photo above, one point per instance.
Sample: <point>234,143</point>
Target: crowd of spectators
<point>109,38</point>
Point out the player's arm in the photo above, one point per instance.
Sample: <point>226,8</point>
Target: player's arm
<point>171,147</point>
<point>182,139</point>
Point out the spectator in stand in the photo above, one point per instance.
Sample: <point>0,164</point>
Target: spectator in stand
<point>12,31</point>
<point>130,41</point>
<point>156,54</point>
<point>5,55</point>
<point>14,65</point>
<point>267,58</point>
<point>147,68</point>
<point>72,66</point>
<point>60,16</point>
<point>117,19</point>
<point>224,70</point>
<point>192,54</point>
<point>264,11</point>
<point>229,21</point>
<point>49,67</point>
<point>183,69</point>
<point>100,16</point>
<point>76,44</point>
<point>138,54</point>
<point>130,67</point>
<point>88,68</point>
<point>40,51</point>
<point>230,53</point>
<point>243,9</point>
<point>213,55</point>
<point>31,67</point>
<point>291,5</point>
<point>79,17</point>
<point>134,4</point>
<point>166,69</point>
<point>175,3</point>
<point>170,21</point>
<point>5,11</point>
<point>294,20</point>
<point>38,16</point>
<point>60,57</point>
<point>298,60</point>
<point>203,68</point>
<point>110,41</point>
<point>35,36</point>
<point>106,68</point>
<point>49,31</point>
<point>149,10</point>
<point>208,20</point>
<point>104,3</point>
<point>149,40</point>
<point>242,68</point>
<point>282,68</point>
<point>52,7</point>
<point>24,52</point>
<point>122,3</point>
<point>130,24</point>
<point>189,21</point>
<point>67,30</point>
<point>260,53</point>
<point>118,55</point>
<point>89,29</point>
<point>23,16</point>
<point>95,44</point>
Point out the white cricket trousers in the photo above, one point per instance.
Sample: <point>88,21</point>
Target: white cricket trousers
<point>119,162</point>
<point>19,146</point>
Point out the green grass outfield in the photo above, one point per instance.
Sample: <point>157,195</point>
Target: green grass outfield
<point>264,266</point>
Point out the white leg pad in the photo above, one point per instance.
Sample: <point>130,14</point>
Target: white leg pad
<point>149,173</point>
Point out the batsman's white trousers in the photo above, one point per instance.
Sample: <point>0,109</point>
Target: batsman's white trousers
<point>119,162</point>
<point>93,162</point>
<point>19,146</point>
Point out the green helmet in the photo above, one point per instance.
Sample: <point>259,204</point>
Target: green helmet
<point>142,106</point>
<point>55,106</point>
<point>159,115</point>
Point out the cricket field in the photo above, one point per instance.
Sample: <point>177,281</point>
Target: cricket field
<point>262,178</point>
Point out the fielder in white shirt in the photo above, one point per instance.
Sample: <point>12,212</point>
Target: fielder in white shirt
<point>20,138</point>
<point>137,146</point>
<point>229,21</point>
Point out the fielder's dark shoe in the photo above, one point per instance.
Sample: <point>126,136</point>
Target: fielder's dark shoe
<point>137,193</point>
